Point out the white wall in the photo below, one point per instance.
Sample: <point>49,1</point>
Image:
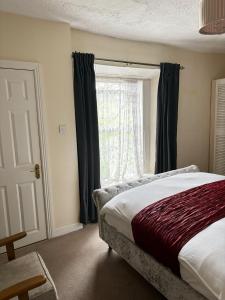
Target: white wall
<point>51,43</point>
<point>195,85</point>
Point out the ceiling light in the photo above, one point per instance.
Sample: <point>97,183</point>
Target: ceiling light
<point>212,16</point>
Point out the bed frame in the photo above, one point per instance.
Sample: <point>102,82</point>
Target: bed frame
<point>168,284</point>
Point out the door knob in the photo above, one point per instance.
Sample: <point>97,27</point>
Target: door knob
<point>36,171</point>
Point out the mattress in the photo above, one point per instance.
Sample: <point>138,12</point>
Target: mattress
<point>202,259</point>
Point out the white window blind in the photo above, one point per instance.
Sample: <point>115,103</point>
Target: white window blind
<point>218,126</point>
<point>120,117</point>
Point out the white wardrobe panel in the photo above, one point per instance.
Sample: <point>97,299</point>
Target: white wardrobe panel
<point>217,139</point>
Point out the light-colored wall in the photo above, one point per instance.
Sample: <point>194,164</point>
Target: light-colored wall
<point>49,43</point>
<point>195,85</point>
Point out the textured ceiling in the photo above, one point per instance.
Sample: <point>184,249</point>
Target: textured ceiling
<point>173,22</point>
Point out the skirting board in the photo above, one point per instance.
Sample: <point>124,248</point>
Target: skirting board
<point>66,229</point>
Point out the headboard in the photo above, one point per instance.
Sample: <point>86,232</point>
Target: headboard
<point>103,195</point>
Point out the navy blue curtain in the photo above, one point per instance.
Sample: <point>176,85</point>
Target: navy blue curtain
<point>87,134</point>
<point>167,113</point>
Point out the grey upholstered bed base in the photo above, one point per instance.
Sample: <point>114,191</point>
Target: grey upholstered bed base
<point>168,284</point>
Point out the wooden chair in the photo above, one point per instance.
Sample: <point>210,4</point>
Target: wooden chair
<point>33,264</point>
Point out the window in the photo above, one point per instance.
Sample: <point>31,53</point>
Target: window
<point>120,116</point>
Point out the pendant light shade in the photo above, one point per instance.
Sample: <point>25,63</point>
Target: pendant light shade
<point>212,17</point>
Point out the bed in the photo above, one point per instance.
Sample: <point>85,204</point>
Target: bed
<point>116,206</point>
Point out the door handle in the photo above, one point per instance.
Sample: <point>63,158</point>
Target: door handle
<point>36,171</point>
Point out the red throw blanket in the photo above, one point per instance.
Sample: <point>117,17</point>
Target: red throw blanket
<point>164,227</point>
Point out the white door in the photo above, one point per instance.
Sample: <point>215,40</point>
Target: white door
<point>21,191</point>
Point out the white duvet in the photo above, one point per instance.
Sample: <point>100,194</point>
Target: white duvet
<point>202,259</point>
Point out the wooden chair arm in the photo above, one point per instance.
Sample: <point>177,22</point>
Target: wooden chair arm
<point>12,238</point>
<point>8,242</point>
<point>21,289</point>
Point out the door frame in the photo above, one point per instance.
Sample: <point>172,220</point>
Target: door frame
<point>43,141</point>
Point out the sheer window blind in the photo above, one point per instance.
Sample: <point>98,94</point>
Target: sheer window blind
<point>120,117</point>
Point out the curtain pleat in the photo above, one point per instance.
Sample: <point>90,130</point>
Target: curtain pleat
<point>167,114</point>
<point>87,134</point>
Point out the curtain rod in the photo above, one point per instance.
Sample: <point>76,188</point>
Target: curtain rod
<point>131,62</point>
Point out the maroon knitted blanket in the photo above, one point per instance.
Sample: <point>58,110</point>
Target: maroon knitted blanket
<point>164,227</point>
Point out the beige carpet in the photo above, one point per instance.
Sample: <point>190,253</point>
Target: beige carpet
<point>83,269</point>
